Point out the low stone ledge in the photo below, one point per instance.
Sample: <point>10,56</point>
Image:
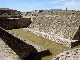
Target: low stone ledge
<point>53,37</point>
<point>36,46</point>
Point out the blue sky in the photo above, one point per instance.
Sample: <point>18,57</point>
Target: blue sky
<point>29,5</point>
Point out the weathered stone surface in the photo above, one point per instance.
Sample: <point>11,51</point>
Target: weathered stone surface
<point>64,25</point>
<point>36,46</point>
<point>62,28</point>
<point>26,50</point>
<point>53,37</point>
<point>69,55</point>
<point>22,49</point>
<point>6,53</point>
<point>13,23</point>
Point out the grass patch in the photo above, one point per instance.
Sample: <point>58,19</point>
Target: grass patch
<point>53,47</point>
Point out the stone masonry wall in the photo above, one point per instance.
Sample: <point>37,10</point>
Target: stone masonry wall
<point>22,49</point>
<point>6,53</point>
<point>62,27</point>
<point>66,25</point>
<point>53,37</point>
<point>14,23</point>
<point>36,46</point>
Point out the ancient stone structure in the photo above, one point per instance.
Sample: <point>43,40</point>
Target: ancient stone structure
<point>24,50</point>
<point>12,23</point>
<point>31,17</point>
<point>9,12</point>
<point>69,55</point>
<point>6,53</point>
<point>53,37</point>
<point>62,27</point>
<point>36,46</point>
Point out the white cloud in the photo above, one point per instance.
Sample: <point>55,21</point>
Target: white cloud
<point>52,2</point>
<point>70,4</point>
<point>73,4</point>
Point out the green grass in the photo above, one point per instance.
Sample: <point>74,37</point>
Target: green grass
<point>53,47</point>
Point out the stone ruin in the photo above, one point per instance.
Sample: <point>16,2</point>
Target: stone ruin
<point>36,46</point>
<point>6,53</point>
<point>13,23</point>
<point>24,50</point>
<point>69,55</point>
<point>62,28</point>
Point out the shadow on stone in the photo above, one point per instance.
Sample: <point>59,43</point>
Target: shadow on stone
<point>77,37</point>
<point>38,55</point>
<point>22,49</point>
<point>14,23</point>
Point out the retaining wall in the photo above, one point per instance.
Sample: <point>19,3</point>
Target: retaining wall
<point>36,46</point>
<point>14,23</point>
<point>54,37</point>
<point>21,48</point>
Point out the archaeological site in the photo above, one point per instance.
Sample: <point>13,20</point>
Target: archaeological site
<point>42,35</point>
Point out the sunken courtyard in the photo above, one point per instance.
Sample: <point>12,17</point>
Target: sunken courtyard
<point>43,35</point>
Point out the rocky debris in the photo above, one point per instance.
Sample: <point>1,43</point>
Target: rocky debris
<point>6,53</point>
<point>69,55</point>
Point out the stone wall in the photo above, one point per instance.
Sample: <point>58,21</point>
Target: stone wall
<point>24,49</point>
<point>62,27</point>
<point>62,24</point>
<point>36,46</point>
<point>14,23</point>
<point>54,37</point>
<point>6,53</point>
<point>21,48</point>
